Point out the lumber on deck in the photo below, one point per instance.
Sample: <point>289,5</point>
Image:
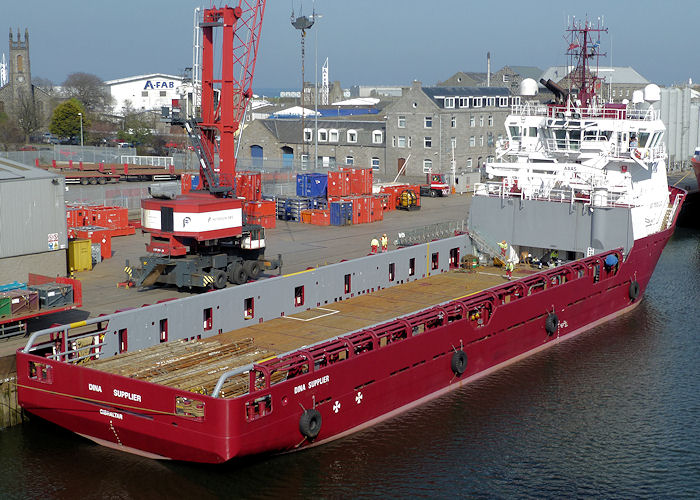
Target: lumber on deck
<point>196,365</point>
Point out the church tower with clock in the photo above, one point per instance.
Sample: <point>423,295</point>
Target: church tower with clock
<point>20,76</point>
<point>19,86</point>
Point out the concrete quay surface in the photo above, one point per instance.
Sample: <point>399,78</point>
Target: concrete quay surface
<point>301,245</point>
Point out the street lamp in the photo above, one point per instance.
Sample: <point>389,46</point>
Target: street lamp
<point>81,129</point>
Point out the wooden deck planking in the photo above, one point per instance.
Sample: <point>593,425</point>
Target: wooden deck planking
<point>196,365</point>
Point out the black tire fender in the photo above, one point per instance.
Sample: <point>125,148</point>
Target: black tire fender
<point>634,290</point>
<point>459,362</point>
<point>551,324</point>
<point>310,424</point>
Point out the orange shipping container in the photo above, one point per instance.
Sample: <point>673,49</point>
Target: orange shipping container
<point>260,208</point>
<point>321,217</point>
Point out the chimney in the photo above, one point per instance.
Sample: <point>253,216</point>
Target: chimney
<point>488,69</point>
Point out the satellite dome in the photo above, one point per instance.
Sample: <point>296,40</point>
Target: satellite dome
<point>625,102</point>
<point>528,87</point>
<point>652,93</point>
<point>637,97</point>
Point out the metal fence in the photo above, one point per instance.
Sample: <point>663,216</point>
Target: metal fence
<point>420,235</point>
<point>113,195</point>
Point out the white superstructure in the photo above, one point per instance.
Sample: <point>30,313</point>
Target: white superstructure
<point>604,155</point>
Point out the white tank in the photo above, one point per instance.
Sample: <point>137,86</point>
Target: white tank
<point>528,87</point>
<point>652,93</point>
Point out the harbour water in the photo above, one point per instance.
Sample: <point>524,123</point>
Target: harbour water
<point>613,413</point>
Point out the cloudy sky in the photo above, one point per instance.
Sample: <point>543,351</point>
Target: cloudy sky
<point>366,41</point>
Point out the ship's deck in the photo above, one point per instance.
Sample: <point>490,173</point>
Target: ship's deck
<point>197,365</point>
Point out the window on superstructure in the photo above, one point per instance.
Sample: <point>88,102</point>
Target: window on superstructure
<point>123,340</point>
<point>412,266</point>
<point>590,135</point>
<point>347,288</point>
<point>532,131</point>
<point>514,132</point>
<point>392,271</point>
<point>643,138</point>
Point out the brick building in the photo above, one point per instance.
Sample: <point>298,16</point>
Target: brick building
<point>277,143</point>
<point>445,128</point>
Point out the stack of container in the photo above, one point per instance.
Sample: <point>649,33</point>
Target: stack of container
<point>261,212</point>
<point>249,186</point>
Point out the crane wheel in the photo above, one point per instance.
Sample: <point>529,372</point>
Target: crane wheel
<point>219,279</point>
<point>236,273</point>
<point>252,269</point>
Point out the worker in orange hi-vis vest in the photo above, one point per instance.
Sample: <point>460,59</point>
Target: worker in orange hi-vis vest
<point>374,244</point>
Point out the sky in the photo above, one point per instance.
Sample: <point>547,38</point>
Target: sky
<point>368,42</point>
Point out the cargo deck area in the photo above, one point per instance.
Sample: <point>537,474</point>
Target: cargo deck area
<point>196,365</point>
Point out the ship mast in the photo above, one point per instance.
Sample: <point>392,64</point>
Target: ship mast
<point>583,52</point>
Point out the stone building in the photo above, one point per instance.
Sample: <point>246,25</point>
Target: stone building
<point>511,76</point>
<point>19,95</point>
<point>617,82</point>
<point>445,129</point>
<point>277,144</point>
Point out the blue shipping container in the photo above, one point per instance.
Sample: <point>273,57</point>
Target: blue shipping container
<point>313,185</point>
<point>341,213</point>
<point>16,285</point>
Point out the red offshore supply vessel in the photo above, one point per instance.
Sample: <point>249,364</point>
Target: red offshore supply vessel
<point>296,361</point>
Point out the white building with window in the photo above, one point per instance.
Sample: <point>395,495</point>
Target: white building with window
<point>144,92</point>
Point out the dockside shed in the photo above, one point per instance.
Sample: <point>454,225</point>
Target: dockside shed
<point>33,236</point>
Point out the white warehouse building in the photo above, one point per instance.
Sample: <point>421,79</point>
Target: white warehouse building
<point>144,92</point>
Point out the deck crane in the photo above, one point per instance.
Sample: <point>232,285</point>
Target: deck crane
<point>202,239</point>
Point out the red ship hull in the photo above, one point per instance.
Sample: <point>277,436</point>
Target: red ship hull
<point>366,388</point>
<point>696,168</point>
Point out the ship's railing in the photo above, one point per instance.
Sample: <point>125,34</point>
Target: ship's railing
<point>568,112</point>
<point>562,195</point>
<point>476,310</point>
<point>153,161</point>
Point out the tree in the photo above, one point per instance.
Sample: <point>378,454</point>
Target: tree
<point>29,118</point>
<point>65,121</point>
<point>9,132</point>
<point>89,90</point>
<point>137,128</point>
<point>43,83</point>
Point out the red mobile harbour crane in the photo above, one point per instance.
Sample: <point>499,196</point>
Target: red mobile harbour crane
<point>202,239</point>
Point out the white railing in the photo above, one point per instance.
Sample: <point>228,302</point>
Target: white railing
<point>153,161</point>
<point>614,198</point>
<point>572,113</point>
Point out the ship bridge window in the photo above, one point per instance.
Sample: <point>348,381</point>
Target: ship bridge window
<point>532,131</point>
<point>655,139</point>
<point>590,135</point>
<point>514,132</point>
<point>560,136</point>
<point>643,139</point>
<point>605,135</point>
